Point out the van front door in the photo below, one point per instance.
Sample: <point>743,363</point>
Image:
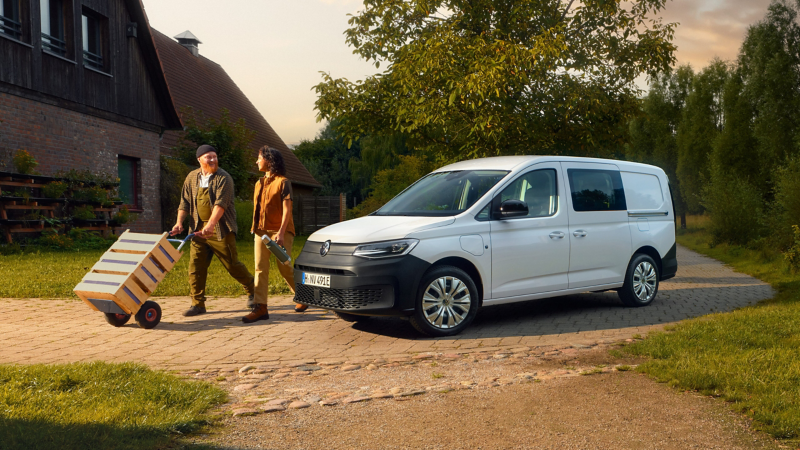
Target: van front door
<point>599,234</point>
<point>530,253</point>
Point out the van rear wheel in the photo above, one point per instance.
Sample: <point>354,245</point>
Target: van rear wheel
<point>446,303</point>
<point>641,282</point>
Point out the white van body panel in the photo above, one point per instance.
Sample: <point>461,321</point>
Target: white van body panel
<point>530,255</point>
<point>600,241</point>
<point>377,228</point>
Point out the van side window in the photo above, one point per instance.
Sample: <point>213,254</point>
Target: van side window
<point>644,191</point>
<point>596,190</point>
<point>537,189</point>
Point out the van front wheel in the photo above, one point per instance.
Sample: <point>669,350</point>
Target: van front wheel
<point>641,282</point>
<point>446,303</point>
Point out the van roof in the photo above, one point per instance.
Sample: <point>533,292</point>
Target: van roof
<point>512,162</point>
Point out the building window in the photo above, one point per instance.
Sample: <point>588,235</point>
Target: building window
<point>53,33</point>
<point>94,39</point>
<point>128,172</point>
<point>9,18</point>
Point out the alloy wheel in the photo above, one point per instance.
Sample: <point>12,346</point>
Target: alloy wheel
<point>446,302</point>
<point>644,281</point>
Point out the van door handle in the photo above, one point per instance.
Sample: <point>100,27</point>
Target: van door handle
<point>579,233</point>
<point>557,235</point>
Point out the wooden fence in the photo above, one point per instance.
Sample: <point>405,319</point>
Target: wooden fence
<point>314,212</point>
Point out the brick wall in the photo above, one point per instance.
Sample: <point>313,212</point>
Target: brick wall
<point>61,139</point>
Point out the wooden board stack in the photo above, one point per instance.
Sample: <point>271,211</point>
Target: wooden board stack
<point>128,273</point>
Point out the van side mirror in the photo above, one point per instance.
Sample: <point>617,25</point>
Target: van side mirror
<point>513,208</point>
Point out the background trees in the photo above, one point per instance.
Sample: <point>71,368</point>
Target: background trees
<point>466,79</point>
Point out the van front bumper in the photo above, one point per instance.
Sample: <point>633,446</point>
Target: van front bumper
<point>374,287</point>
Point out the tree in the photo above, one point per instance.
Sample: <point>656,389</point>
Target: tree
<point>769,61</point>
<point>497,77</point>
<point>232,141</point>
<point>652,135</point>
<point>701,123</point>
<point>390,182</point>
<point>327,158</point>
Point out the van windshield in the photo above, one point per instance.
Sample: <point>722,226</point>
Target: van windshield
<point>442,193</point>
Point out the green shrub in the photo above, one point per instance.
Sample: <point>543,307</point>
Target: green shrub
<point>735,207</point>
<point>244,219</point>
<point>94,194</point>
<point>173,174</point>
<point>56,189</point>
<point>51,239</point>
<point>786,211</point>
<point>24,162</point>
<point>123,216</point>
<point>792,255</point>
<point>85,212</point>
<point>390,182</point>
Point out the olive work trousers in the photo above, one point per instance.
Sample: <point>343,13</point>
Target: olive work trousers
<point>201,254</point>
<point>262,260</point>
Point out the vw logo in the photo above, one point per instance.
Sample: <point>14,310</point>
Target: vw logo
<point>326,246</point>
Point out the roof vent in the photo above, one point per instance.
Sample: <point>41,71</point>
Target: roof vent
<point>190,41</point>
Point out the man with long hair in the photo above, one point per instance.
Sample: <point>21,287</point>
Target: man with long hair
<point>272,215</point>
<point>207,199</point>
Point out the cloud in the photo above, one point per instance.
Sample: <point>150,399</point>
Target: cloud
<point>711,28</point>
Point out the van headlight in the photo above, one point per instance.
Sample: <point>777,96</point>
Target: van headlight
<point>386,249</point>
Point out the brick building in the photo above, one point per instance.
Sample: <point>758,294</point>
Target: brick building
<point>81,87</point>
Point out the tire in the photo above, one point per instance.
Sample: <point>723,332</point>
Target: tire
<point>446,303</point>
<point>641,282</point>
<point>117,320</point>
<point>347,317</point>
<point>149,315</point>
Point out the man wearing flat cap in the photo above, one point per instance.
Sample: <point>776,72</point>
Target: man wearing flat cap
<point>207,199</point>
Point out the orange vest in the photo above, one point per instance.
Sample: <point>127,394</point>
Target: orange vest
<point>268,206</point>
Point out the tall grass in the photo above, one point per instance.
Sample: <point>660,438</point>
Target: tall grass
<point>98,406</point>
<point>749,357</point>
<point>53,274</point>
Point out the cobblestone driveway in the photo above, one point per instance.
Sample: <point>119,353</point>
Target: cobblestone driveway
<point>55,331</point>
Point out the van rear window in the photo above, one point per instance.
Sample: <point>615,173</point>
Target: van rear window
<point>442,193</point>
<point>596,190</point>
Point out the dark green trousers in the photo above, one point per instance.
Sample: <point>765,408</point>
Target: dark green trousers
<point>202,251</point>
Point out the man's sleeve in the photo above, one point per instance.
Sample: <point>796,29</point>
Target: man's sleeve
<point>286,192</point>
<point>224,192</point>
<point>186,194</point>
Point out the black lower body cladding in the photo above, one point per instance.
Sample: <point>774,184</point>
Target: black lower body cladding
<point>669,264</point>
<point>375,287</point>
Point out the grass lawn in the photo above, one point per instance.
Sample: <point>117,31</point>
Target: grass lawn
<point>749,357</point>
<point>53,274</point>
<point>98,406</point>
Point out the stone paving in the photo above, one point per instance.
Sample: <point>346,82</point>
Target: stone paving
<point>57,331</point>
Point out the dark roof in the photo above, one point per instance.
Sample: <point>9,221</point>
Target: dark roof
<point>203,85</point>
<point>148,48</point>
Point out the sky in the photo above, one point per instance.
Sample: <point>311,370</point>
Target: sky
<point>275,49</point>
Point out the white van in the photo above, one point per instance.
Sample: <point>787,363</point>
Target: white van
<point>492,231</point>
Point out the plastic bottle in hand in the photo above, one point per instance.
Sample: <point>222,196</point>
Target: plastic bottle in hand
<point>276,250</point>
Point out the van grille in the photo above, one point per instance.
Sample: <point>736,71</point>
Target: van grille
<point>347,299</point>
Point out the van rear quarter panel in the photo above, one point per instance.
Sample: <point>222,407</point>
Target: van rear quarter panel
<point>654,231</point>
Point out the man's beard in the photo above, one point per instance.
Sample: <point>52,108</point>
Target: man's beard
<point>209,169</point>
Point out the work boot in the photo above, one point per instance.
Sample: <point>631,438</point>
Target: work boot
<point>299,307</point>
<point>250,303</point>
<point>259,312</point>
<point>195,310</point>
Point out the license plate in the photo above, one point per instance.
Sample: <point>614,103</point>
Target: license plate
<point>314,279</point>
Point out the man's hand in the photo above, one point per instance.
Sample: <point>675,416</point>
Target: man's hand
<point>279,238</point>
<point>177,229</point>
<point>207,230</point>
